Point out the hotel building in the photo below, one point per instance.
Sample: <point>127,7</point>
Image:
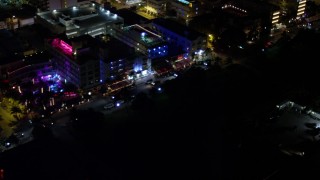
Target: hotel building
<point>143,40</point>
<point>88,18</point>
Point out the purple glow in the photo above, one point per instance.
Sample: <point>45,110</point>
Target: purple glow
<point>66,48</point>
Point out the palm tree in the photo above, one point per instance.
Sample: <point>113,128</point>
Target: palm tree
<point>15,110</point>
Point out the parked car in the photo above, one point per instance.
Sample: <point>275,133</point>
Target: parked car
<point>109,106</point>
<point>119,102</point>
<point>150,81</point>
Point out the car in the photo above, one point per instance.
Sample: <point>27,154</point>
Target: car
<point>291,151</point>
<point>119,102</point>
<point>109,106</point>
<point>150,81</point>
<point>155,83</point>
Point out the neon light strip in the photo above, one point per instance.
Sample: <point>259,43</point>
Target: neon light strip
<point>18,69</point>
<point>66,47</point>
<point>184,1</point>
<point>147,30</point>
<point>63,46</point>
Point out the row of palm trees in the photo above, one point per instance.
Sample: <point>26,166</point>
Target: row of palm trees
<point>16,112</point>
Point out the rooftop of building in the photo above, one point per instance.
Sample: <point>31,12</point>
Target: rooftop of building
<point>85,15</point>
<point>10,47</point>
<point>80,49</point>
<point>130,17</point>
<point>23,12</point>
<point>90,48</point>
<point>115,49</point>
<point>177,28</point>
<point>254,7</point>
<point>143,35</point>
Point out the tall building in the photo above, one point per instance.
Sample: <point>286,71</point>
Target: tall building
<point>76,60</point>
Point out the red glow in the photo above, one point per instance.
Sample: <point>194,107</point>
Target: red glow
<point>66,48</point>
<point>70,94</point>
<point>180,57</point>
<point>1,174</point>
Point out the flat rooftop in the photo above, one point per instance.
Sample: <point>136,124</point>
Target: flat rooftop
<point>85,46</point>
<point>143,35</point>
<point>80,16</point>
<point>177,28</point>
<point>255,7</point>
<point>112,47</point>
<point>130,17</point>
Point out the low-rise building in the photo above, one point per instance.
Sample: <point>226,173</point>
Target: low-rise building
<point>179,36</point>
<point>143,40</point>
<point>156,7</point>
<point>88,62</point>
<point>185,9</point>
<point>76,60</point>
<point>16,18</point>
<point>88,18</point>
<point>120,60</point>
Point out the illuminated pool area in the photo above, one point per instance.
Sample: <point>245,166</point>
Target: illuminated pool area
<point>143,40</point>
<point>143,35</point>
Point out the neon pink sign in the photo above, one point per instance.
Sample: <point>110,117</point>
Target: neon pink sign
<point>66,48</point>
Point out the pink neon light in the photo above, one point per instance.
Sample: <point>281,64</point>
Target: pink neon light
<point>66,48</point>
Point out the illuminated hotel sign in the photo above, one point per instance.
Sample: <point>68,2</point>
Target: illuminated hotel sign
<point>66,48</point>
<point>184,1</point>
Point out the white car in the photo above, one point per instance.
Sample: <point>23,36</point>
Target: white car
<point>119,102</point>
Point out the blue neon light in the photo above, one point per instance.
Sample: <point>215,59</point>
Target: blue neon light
<point>184,1</point>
